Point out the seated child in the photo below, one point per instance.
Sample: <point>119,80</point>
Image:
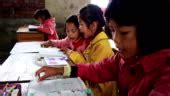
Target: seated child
<point>47,24</point>
<point>74,39</point>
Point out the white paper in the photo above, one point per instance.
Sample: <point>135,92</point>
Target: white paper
<point>32,27</point>
<point>57,87</point>
<point>19,67</point>
<point>21,47</point>
<point>51,52</point>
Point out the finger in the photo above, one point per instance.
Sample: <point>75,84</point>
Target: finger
<point>43,77</point>
<point>37,73</point>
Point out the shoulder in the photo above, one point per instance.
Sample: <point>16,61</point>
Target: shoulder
<point>156,61</point>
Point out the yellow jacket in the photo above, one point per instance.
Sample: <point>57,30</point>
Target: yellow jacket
<point>97,50</point>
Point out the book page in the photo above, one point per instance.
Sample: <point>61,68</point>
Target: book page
<point>32,26</point>
<point>57,87</point>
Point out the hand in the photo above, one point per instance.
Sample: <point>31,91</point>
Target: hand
<point>67,51</point>
<point>64,49</point>
<point>49,71</point>
<point>47,44</point>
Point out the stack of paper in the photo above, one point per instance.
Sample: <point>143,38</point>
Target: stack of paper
<point>58,87</point>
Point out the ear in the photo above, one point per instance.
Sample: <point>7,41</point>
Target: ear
<point>93,27</point>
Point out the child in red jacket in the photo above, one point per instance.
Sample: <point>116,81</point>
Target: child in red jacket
<point>74,40</point>
<point>47,24</point>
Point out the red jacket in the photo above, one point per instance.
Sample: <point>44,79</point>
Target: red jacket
<point>144,76</point>
<point>49,27</point>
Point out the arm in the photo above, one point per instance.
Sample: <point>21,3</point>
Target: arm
<point>104,71</point>
<point>93,72</point>
<point>100,51</point>
<point>64,43</point>
<point>96,52</point>
<point>76,57</point>
<point>47,27</point>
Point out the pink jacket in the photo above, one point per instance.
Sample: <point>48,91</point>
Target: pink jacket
<point>145,76</point>
<point>49,27</point>
<point>67,43</point>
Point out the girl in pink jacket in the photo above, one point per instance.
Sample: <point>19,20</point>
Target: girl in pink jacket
<point>47,24</point>
<point>142,65</point>
<point>74,40</point>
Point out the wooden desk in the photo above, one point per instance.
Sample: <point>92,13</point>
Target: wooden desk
<point>23,34</point>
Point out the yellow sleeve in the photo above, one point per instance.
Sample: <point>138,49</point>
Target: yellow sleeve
<point>77,57</point>
<point>100,52</point>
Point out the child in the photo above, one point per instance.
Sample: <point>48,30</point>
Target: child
<point>47,24</point>
<point>91,23</point>
<point>74,39</point>
<point>142,65</point>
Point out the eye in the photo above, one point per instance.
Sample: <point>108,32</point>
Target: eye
<point>124,33</point>
<point>73,30</point>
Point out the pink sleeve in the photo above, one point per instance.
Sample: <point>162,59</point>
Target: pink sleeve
<point>100,72</point>
<point>47,27</point>
<point>64,43</point>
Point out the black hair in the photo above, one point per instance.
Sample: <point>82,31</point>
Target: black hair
<point>108,31</point>
<point>92,13</point>
<point>73,19</point>
<point>151,19</point>
<point>42,13</point>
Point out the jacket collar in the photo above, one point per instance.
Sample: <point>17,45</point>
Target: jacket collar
<point>155,61</point>
<point>100,36</point>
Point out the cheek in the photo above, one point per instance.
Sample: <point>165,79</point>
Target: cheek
<point>132,47</point>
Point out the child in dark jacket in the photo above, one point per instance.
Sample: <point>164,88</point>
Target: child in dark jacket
<point>47,24</point>
<point>141,67</point>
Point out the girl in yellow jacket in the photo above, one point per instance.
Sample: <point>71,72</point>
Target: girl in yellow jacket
<point>91,22</point>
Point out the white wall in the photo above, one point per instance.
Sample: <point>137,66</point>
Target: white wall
<point>61,9</point>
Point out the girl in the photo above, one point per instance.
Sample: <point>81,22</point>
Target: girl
<point>47,24</point>
<point>142,65</point>
<point>91,22</point>
<point>74,39</point>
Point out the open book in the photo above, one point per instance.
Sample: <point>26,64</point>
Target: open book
<point>58,87</point>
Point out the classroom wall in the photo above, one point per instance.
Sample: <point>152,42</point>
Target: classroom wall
<point>60,9</point>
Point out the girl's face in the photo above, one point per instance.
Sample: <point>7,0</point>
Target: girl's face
<point>87,32</point>
<point>125,39</point>
<point>72,31</point>
<point>40,20</point>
